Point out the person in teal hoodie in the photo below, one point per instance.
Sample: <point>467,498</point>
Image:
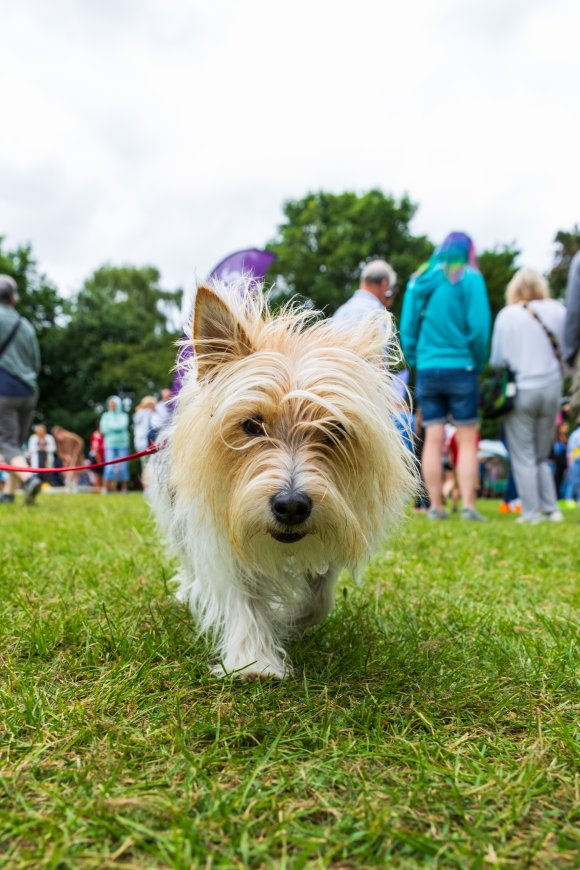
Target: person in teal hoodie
<point>114,425</point>
<point>445,325</point>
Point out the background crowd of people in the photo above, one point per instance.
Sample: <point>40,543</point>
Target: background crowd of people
<point>445,329</point>
<point>60,448</point>
<point>445,336</point>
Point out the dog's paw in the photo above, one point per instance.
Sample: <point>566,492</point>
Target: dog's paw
<point>258,670</point>
<point>182,587</point>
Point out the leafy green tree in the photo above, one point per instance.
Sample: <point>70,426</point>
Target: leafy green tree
<point>117,340</point>
<point>498,266</point>
<point>326,238</point>
<point>567,244</point>
<point>39,298</point>
<point>113,337</point>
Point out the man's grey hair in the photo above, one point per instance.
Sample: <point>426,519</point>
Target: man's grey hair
<point>377,270</point>
<point>8,290</point>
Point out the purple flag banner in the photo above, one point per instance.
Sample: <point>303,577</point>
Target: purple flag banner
<point>251,262</point>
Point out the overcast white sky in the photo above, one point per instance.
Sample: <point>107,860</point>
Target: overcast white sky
<point>171,132</point>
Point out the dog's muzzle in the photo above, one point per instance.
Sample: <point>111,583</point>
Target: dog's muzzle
<point>290,508</point>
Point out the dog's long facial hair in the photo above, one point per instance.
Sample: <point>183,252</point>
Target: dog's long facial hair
<point>283,465</point>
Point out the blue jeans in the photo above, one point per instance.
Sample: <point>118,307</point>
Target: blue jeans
<point>574,475</point>
<point>444,394</point>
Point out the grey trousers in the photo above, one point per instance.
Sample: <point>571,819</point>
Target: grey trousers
<point>575,392</point>
<point>530,429</point>
<point>15,421</point>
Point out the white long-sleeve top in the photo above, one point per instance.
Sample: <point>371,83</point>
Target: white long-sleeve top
<point>144,420</point>
<point>356,308</point>
<point>519,340</point>
<point>36,446</point>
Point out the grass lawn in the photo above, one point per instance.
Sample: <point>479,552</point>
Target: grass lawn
<point>431,721</point>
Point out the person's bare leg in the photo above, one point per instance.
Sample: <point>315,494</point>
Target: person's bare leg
<point>431,463</point>
<point>447,484</point>
<point>455,491</point>
<point>17,476</point>
<point>11,484</point>
<point>467,464</point>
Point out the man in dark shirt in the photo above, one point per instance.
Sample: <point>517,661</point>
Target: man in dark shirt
<point>19,367</point>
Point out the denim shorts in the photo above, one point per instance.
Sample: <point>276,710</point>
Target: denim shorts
<point>119,472</point>
<point>448,394</point>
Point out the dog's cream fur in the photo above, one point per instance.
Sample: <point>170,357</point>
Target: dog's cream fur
<point>319,405</point>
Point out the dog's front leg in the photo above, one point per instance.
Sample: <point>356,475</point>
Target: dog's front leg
<point>319,602</point>
<point>248,645</point>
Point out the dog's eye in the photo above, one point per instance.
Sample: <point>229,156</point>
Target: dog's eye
<point>254,426</point>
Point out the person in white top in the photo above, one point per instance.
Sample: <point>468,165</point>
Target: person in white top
<point>145,422</point>
<point>377,291</point>
<point>41,448</point>
<point>163,408</point>
<point>528,336</point>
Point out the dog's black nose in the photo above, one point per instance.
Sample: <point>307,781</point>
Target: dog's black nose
<point>291,508</point>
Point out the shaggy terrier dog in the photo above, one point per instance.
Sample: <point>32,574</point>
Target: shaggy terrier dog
<point>282,465</point>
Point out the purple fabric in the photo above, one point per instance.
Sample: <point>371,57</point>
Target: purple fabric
<point>401,383</point>
<point>252,262</point>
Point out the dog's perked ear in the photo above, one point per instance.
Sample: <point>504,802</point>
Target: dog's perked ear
<point>218,336</point>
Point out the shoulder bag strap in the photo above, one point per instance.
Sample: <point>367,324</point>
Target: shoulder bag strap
<point>9,338</point>
<point>421,317</point>
<point>550,335</point>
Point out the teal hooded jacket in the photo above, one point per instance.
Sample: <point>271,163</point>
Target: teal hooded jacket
<point>454,332</point>
<point>115,426</point>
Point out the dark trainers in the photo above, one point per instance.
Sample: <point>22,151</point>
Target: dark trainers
<point>6,498</point>
<point>31,489</point>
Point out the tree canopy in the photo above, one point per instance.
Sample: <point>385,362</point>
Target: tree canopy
<point>117,340</point>
<point>567,244</point>
<point>327,238</point>
<point>112,337</point>
<point>498,266</point>
<point>39,301</point>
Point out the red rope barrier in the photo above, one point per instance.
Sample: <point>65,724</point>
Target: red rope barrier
<point>148,452</point>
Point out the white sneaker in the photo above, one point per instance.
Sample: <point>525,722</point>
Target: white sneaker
<point>437,514</point>
<point>555,516</point>
<point>472,514</point>
<point>533,520</point>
